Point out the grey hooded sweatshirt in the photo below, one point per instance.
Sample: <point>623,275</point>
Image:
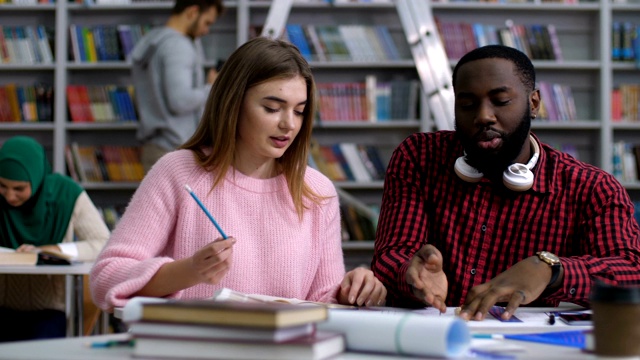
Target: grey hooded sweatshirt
<point>168,76</point>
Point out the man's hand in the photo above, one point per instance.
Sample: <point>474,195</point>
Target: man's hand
<point>426,278</point>
<point>519,285</point>
<point>361,287</point>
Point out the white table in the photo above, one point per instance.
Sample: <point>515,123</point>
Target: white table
<point>74,294</point>
<point>79,348</point>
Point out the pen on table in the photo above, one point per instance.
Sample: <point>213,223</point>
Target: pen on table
<point>487,336</point>
<point>552,319</point>
<point>193,195</point>
<point>112,343</point>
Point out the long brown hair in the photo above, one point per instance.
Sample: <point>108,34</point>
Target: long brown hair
<point>257,61</point>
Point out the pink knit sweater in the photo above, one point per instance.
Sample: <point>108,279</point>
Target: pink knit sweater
<point>275,253</point>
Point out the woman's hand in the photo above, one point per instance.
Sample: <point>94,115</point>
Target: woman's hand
<point>35,249</point>
<point>212,262</point>
<point>27,248</point>
<point>361,287</point>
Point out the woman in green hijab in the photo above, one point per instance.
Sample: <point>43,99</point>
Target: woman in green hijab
<point>41,210</point>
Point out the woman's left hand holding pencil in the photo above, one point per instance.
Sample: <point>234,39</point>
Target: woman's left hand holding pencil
<point>213,261</point>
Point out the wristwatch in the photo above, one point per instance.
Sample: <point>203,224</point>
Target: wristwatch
<point>553,261</point>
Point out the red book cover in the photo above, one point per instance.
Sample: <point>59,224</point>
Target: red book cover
<point>76,112</point>
<point>83,95</point>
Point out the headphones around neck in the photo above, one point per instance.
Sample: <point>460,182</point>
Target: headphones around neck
<point>517,177</point>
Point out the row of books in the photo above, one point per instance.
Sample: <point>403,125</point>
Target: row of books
<point>90,163</point>
<point>26,45</point>
<point>557,102</point>
<point>513,1</point>
<point>106,103</point>
<point>27,2</point>
<point>626,161</point>
<point>111,215</point>
<point>539,42</point>
<point>28,103</point>
<point>371,100</point>
<point>122,2</point>
<point>625,45</point>
<point>93,43</point>
<point>251,328</point>
<point>348,162</point>
<point>359,43</point>
<point>355,225</point>
<point>624,103</point>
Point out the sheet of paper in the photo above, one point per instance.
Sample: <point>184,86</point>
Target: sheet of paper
<point>533,320</point>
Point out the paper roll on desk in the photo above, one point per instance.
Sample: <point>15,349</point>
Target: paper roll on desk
<point>404,333</point>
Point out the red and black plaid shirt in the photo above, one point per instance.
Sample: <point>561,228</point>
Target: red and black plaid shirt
<point>574,210</point>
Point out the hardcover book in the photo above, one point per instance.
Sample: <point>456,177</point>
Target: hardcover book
<point>210,332</point>
<point>318,346</point>
<point>268,315</point>
<point>11,257</point>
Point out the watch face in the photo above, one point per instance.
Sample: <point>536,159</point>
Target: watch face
<point>548,257</point>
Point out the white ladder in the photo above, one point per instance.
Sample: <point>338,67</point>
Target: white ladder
<point>426,46</point>
<point>276,19</point>
<point>430,59</point>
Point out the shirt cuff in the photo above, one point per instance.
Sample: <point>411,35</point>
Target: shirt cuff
<point>69,249</point>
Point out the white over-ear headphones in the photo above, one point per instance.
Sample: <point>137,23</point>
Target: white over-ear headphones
<point>517,177</point>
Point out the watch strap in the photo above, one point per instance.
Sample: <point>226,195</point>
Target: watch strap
<point>555,273</point>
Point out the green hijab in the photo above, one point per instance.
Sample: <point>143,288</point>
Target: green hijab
<point>44,218</point>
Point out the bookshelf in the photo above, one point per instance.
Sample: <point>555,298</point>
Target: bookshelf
<point>584,31</point>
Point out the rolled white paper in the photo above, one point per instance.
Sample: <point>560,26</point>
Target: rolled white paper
<point>400,332</point>
<point>132,310</point>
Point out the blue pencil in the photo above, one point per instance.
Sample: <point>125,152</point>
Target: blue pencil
<point>193,195</point>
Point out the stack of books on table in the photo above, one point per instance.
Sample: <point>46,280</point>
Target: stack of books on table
<point>206,329</point>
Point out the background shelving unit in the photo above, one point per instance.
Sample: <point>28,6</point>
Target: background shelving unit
<point>584,31</point>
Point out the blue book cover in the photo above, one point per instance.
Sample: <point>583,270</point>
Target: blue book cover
<point>98,39</point>
<point>572,338</point>
<point>297,38</point>
<point>79,40</point>
<point>127,104</point>
<point>115,103</point>
<point>628,35</point>
<point>616,40</point>
<point>387,41</point>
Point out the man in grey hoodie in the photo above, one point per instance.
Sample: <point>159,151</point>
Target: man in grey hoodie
<point>169,77</point>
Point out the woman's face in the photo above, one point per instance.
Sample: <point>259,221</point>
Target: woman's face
<point>270,119</point>
<point>14,192</point>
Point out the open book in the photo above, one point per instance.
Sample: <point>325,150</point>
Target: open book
<point>448,336</point>
<point>226,294</point>
<point>11,257</point>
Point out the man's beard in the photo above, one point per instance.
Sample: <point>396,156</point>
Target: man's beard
<point>492,163</point>
<point>193,28</point>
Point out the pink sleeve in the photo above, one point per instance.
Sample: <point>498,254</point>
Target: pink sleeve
<point>139,245</point>
<point>331,268</point>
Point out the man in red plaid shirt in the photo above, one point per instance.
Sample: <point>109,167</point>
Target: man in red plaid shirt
<point>489,214</point>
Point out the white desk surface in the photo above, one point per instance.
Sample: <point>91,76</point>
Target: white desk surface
<point>79,349</point>
<point>74,269</point>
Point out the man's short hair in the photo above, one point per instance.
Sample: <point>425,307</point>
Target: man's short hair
<point>524,67</point>
<point>203,5</point>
